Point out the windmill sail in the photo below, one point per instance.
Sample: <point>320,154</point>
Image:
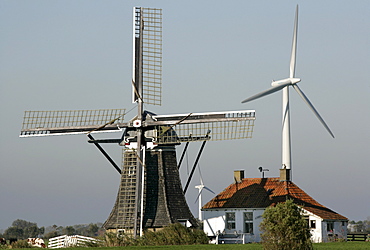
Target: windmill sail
<point>194,126</point>
<point>147,52</point>
<point>66,122</point>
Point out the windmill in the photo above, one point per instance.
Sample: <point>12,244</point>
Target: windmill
<point>199,197</point>
<point>284,84</point>
<point>150,194</point>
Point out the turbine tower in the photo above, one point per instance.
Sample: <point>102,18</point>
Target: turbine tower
<point>284,84</point>
<point>199,198</point>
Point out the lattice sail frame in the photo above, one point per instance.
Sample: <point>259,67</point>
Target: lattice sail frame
<point>43,123</point>
<point>213,126</point>
<point>147,53</point>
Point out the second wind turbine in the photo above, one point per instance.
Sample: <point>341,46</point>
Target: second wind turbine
<point>284,85</point>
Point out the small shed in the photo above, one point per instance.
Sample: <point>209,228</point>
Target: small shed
<point>234,215</point>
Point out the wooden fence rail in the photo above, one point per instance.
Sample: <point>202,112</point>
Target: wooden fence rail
<point>358,237</point>
<point>70,241</point>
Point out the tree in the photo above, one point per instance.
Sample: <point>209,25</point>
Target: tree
<point>284,228</point>
<point>13,233</point>
<point>92,229</point>
<point>22,229</point>
<point>69,230</point>
<point>360,226</point>
<point>22,223</point>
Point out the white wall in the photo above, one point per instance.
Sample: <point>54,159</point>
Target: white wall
<point>316,233</point>
<point>215,222</point>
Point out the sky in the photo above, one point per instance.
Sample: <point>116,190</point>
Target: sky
<point>67,55</point>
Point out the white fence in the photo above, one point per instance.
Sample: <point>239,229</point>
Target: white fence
<point>70,241</point>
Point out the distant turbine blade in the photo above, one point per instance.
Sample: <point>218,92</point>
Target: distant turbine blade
<point>208,189</point>
<point>266,92</point>
<point>200,175</point>
<point>294,46</point>
<point>304,97</point>
<point>200,192</point>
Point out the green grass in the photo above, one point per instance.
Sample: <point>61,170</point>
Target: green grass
<point>343,245</point>
<point>332,245</point>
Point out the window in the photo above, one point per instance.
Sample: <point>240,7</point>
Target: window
<point>230,221</point>
<point>131,170</point>
<point>313,224</point>
<point>248,222</point>
<point>307,219</point>
<point>329,226</point>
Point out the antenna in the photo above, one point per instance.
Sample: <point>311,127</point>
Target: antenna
<point>262,170</point>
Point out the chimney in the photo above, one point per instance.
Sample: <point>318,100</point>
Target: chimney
<point>284,174</point>
<point>238,175</point>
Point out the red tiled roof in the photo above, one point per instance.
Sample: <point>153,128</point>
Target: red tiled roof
<point>264,192</point>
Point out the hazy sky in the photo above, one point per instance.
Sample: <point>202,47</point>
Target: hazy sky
<point>62,55</point>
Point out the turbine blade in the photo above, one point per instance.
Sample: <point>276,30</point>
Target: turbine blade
<point>266,92</point>
<point>209,190</point>
<point>200,175</point>
<point>304,97</point>
<point>294,46</point>
<point>196,200</point>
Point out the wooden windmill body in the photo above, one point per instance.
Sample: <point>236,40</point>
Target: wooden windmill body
<point>150,194</point>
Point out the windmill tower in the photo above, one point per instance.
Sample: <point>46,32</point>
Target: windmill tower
<point>284,85</point>
<point>150,194</point>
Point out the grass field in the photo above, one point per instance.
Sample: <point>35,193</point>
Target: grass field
<point>333,246</point>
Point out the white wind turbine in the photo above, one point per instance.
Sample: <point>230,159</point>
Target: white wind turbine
<point>284,85</point>
<point>199,198</point>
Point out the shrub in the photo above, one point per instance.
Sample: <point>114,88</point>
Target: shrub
<point>118,240</point>
<point>284,228</point>
<point>174,234</point>
<point>21,244</point>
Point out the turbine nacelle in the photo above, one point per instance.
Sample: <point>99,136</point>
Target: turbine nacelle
<point>285,82</point>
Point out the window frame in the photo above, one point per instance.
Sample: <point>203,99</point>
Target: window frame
<point>329,226</point>
<point>313,224</point>
<point>248,222</point>
<point>230,219</point>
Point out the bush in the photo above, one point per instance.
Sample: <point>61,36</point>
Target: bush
<point>119,240</point>
<point>21,244</point>
<point>174,234</point>
<point>284,228</point>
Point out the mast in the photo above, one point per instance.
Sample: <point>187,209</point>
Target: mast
<point>138,93</point>
<point>286,142</point>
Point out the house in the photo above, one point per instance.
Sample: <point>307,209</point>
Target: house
<point>234,215</point>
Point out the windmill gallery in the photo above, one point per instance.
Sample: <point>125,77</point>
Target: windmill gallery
<point>150,193</point>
